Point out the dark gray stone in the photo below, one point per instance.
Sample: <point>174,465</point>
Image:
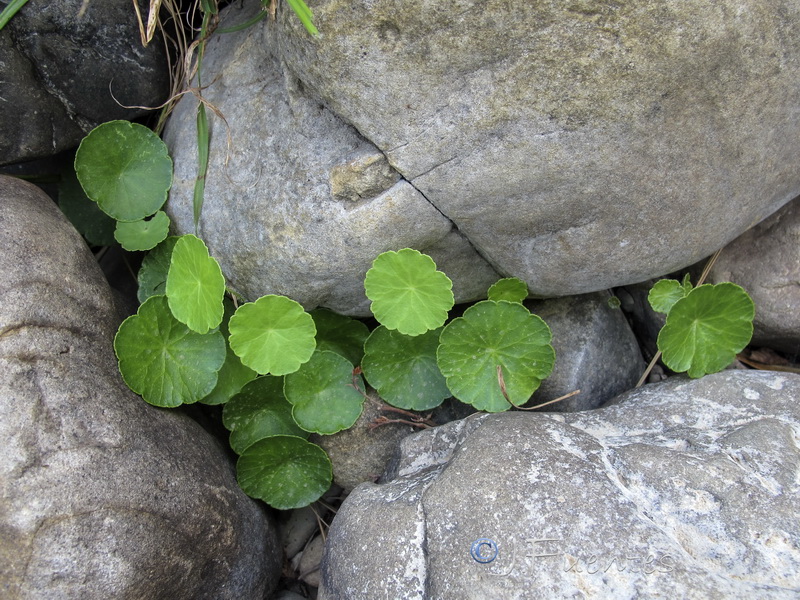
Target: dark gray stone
<point>102,495</point>
<point>362,452</point>
<point>681,489</point>
<point>63,65</point>
<point>596,352</point>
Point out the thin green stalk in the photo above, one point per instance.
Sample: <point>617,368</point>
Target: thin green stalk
<point>209,9</point>
<point>10,10</point>
<point>244,25</point>
<point>202,163</point>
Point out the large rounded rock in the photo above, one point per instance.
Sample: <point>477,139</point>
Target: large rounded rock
<point>69,66</point>
<point>682,489</point>
<point>101,495</point>
<point>577,146</point>
<point>299,203</point>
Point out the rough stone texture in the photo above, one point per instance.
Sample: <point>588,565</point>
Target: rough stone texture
<point>300,203</point>
<point>61,61</point>
<point>596,352</point>
<point>683,489</point>
<point>580,145</point>
<point>362,452</point>
<point>101,495</point>
<point>766,262</point>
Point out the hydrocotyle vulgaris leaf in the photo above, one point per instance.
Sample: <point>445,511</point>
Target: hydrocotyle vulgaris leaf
<point>258,411</point>
<point>195,285</point>
<point>494,335</point>
<point>138,236</point>
<point>707,329</point>
<point>233,375</point>
<point>665,293</point>
<point>324,395</point>
<point>162,360</point>
<point>511,289</point>
<point>408,294</point>
<point>272,335</point>
<point>152,275</point>
<point>125,168</point>
<point>340,334</point>
<point>403,368</point>
<point>284,471</point>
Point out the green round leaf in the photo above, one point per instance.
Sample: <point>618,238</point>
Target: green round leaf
<point>511,289</point>
<point>664,294</point>
<point>407,292</point>
<point>404,370</point>
<point>153,272</point>
<point>233,375</point>
<point>340,334</point>
<point>125,168</point>
<point>706,329</point>
<point>162,360</point>
<point>195,285</point>
<point>91,222</point>
<point>230,379</point>
<point>322,393</point>
<point>284,471</point>
<point>272,335</point>
<point>260,410</point>
<point>490,335</point>
<point>143,235</point>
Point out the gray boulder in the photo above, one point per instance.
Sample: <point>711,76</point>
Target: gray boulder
<point>766,261</point>
<point>299,203</point>
<point>578,147</point>
<point>101,495</point>
<point>682,489</point>
<point>64,63</point>
<point>596,352</point>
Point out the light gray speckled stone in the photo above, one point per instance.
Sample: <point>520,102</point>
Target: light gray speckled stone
<point>102,495</point>
<point>682,489</point>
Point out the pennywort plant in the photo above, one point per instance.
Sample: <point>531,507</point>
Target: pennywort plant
<point>706,327</point>
<point>284,373</point>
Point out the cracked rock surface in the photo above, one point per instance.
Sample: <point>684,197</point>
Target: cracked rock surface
<point>101,495</point>
<point>681,489</point>
<point>304,203</point>
<point>578,146</point>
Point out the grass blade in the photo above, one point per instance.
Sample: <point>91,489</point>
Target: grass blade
<point>10,10</point>
<point>202,163</point>
<point>304,14</point>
